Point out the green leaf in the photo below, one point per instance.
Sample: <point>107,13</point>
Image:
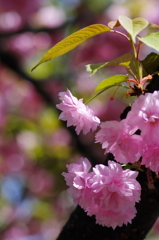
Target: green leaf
<point>123,60</point>
<point>151,63</point>
<point>134,66</point>
<point>151,40</point>
<point>110,82</point>
<point>133,27</point>
<point>97,94</point>
<point>72,41</point>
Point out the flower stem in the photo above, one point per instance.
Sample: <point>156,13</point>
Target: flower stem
<point>120,33</point>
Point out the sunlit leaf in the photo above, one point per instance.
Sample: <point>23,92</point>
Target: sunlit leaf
<point>73,41</point>
<point>133,27</point>
<point>151,40</point>
<point>93,68</point>
<point>110,82</point>
<point>151,63</point>
<point>123,60</point>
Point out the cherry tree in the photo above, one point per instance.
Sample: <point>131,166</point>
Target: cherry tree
<point>117,199</point>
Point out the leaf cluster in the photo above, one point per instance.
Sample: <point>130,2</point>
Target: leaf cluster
<point>136,69</point>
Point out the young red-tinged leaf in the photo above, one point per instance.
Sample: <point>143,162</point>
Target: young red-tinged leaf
<point>123,60</point>
<point>110,82</point>
<point>151,40</point>
<point>133,27</point>
<point>113,24</point>
<point>73,41</point>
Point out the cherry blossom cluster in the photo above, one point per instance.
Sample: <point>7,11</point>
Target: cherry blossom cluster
<point>109,192</point>
<point>127,147</point>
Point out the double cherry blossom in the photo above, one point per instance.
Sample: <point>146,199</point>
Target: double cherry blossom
<point>76,113</point>
<point>109,192</point>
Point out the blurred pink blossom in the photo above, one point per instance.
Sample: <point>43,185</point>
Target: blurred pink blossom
<point>3,111</point>
<point>28,140</point>
<point>150,11</point>
<point>10,21</point>
<point>40,182</point>
<point>59,137</point>
<point>16,232</point>
<point>17,96</point>
<point>84,83</point>
<point>49,16</point>
<point>31,103</point>
<point>116,9</point>
<point>110,110</point>
<point>13,158</point>
<point>26,44</point>
<point>101,48</point>
<point>51,229</point>
<point>23,8</point>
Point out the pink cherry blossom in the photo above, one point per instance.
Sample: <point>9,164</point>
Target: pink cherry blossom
<point>116,137</point>
<point>115,193</point>
<point>116,185</point>
<point>144,115</point>
<point>109,192</point>
<point>114,219</point>
<point>76,178</point>
<point>76,113</point>
<point>150,157</point>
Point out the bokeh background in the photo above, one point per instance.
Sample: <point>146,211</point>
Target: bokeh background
<point>34,145</point>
